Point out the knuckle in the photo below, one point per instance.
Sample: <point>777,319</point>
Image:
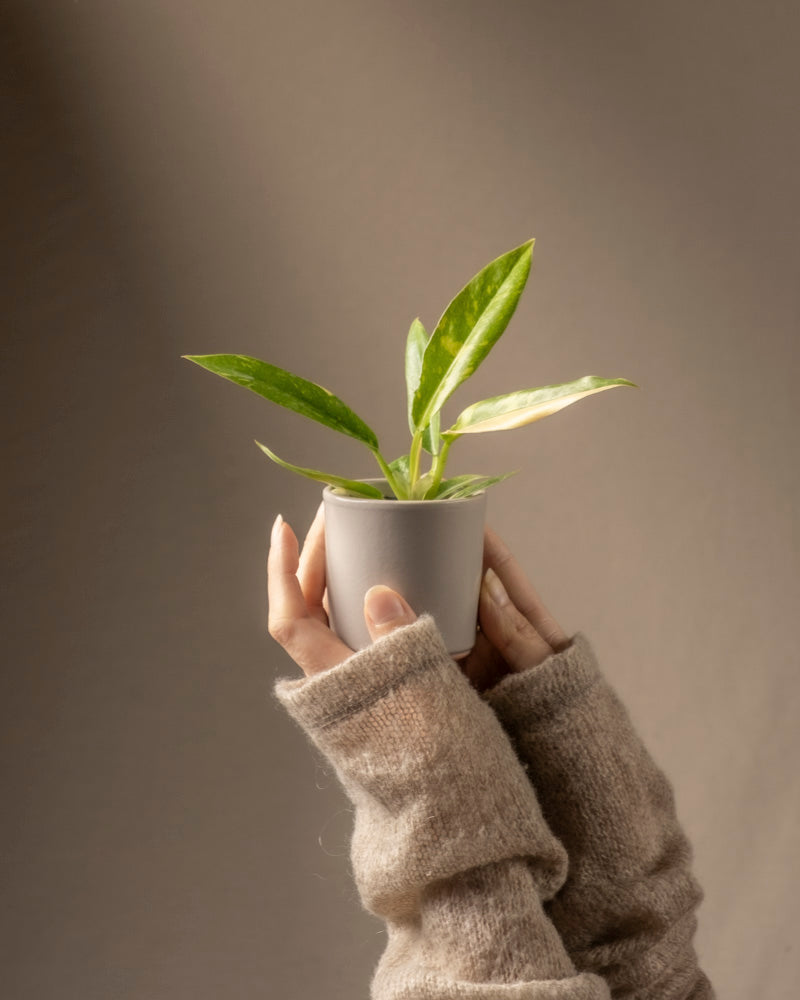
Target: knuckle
<point>523,629</point>
<point>517,631</point>
<point>283,630</point>
<point>504,557</point>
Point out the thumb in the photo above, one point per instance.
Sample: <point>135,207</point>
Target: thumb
<point>385,610</point>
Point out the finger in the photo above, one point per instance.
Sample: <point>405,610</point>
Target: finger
<point>509,631</point>
<point>309,642</point>
<point>385,610</point>
<point>498,556</point>
<point>484,666</point>
<point>311,570</point>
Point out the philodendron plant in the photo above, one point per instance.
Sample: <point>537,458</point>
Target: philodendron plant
<point>435,366</point>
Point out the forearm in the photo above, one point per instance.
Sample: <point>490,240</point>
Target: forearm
<point>627,908</point>
<point>449,847</point>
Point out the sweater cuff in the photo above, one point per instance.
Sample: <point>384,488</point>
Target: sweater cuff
<point>325,699</point>
<point>434,778</point>
<point>541,693</point>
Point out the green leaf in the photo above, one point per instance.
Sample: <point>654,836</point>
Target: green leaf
<point>465,486</point>
<point>514,409</point>
<point>285,389</point>
<point>422,488</point>
<point>400,469</point>
<point>469,328</point>
<point>351,485</point>
<point>431,436</point>
<point>415,348</point>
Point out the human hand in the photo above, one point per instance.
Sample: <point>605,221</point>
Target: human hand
<point>516,629</point>
<point>298,619</point>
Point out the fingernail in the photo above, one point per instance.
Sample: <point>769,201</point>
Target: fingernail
<point>276,527</point>
<point>497,591</point>
<point>383,606</point>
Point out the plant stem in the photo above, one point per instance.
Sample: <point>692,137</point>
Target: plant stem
<point>413,460</point>
<point>437,469</point>
<point>390,477</point>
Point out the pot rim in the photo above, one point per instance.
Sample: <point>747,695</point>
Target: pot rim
<point>330,493</point>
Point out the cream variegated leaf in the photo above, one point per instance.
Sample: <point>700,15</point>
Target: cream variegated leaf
<point>416,343</point>
<point>515,409</point>
<point>460,487</point>
<point>468,329</point>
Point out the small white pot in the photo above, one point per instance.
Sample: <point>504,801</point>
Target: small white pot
<point>429,551</point>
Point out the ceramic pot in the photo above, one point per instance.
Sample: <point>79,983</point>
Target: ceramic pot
<point>430,551</point>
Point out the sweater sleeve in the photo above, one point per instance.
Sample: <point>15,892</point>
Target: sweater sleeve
<point>627,908</point>
<point>449,846</point>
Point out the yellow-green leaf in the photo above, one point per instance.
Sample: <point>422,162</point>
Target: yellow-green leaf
<point>515,409</point>
<point>292,391</point>
<point>415,347</point>
<point>416,343</point>
<point>399,468</point>
<point>469,328</point>
<point>351,485</point>
<point>460,487</point>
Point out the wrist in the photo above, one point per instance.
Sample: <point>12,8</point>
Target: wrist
<point>541,691</point>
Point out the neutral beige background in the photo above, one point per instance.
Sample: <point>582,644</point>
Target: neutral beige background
<point>298,181</point>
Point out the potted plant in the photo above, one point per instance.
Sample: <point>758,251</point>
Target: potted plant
<point>415,529</point>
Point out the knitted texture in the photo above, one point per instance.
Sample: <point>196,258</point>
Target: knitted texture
<point>626,910</point>
<point>449,845</point>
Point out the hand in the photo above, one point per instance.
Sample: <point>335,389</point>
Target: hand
<point>298,619</point>
<point>517,631</point>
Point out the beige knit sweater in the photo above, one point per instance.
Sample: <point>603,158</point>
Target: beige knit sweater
<point>518,846</point>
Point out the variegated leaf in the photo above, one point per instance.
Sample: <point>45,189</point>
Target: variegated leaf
<point>288,390</point>
<point>469,328</point>
<point>415,348</point>
<point>516,409</point>
<point>460,487</point>
<point>351,485</point>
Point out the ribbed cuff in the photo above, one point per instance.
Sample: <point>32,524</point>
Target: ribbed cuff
<point>539,694</point>
<point>323,700</point>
